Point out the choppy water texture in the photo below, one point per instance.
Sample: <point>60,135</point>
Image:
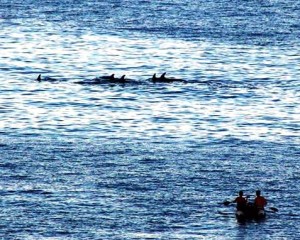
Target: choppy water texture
<point>145,160</point>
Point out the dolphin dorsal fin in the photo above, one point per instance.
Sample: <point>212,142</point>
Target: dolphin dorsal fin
<point>39,78</point>
<point>123,77</point>
<point>163,76</point>
<point>112,76</point>
<point>154,76</point>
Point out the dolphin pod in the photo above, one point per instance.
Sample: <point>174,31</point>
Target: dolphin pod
<point>112,79</point>
<point>162,79</point>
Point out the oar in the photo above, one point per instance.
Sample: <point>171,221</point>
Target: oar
<point>226,202</point>
<point>274,209</point>
<point>225,213</point>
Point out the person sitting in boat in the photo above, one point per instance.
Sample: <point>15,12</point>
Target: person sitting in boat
<point>260,202</point>
<point>241,202</point>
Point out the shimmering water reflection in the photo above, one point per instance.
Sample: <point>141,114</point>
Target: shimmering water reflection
<point>142,159</point>
<point>231,91</point>
<point>61,187</point>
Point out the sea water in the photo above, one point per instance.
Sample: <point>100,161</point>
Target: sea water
<point>145,160</point>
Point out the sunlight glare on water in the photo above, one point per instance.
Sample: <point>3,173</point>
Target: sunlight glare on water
<point>234,76</point>
<point>83,159</point>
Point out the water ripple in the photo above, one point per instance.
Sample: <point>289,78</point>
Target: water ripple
<point>89,159</point>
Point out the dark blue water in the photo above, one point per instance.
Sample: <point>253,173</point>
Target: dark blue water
<point>83,159</point>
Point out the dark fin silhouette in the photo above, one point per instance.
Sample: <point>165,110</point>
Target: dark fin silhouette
<point>120,80</point>
<point>164,79</point>
<point>39,78</point>
<point>154,77</point>
<point>163,76</point>
<point>111,77</point>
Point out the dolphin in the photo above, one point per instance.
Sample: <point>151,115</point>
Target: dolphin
<point>119,80</point>
<point>111,77</point>
<point>163,76</point>
<point>46,79</point>
<point>104,80</point>
<point>164,79</point>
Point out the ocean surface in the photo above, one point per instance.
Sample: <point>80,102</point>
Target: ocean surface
<point>87,159</point>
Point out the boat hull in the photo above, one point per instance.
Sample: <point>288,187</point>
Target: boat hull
<point>250,214</point>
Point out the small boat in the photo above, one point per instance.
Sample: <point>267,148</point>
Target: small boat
<point>250,213</point>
